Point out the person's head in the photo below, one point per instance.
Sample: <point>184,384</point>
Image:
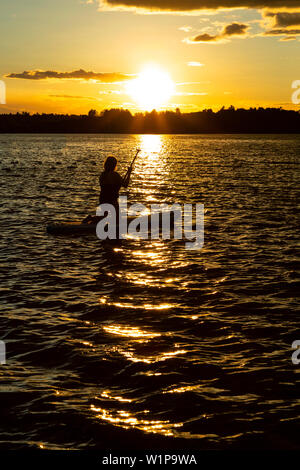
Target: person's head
<point>110,163</point>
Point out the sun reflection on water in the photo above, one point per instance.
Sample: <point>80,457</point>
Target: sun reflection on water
<point>127,305</point>
<point>128,331</point>
<point>107,394</point>
<point>131,356</point>
<point>151,144</point>
<point>127,420</point>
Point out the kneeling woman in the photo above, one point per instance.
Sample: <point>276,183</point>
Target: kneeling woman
<point>111,182</point>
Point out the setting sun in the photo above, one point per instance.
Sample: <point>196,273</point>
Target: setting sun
<point>152,89</point>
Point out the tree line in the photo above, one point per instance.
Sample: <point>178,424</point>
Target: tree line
<point>226,120</point>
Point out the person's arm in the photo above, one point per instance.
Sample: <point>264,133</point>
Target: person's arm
<point>126,179</point>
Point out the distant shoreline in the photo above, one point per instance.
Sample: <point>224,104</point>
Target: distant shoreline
<point>120,121</point>
<point>152,133</point>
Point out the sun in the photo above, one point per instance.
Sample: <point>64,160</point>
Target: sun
<point>151,89</point>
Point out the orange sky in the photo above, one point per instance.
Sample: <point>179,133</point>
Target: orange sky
<point>79,55</point>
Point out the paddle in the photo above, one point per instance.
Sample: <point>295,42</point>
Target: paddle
<point>126,177</point>
<point>131,165</point>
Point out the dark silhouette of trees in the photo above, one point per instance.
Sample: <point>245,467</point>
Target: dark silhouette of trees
<point>92,113</point>
<point>230,120</point>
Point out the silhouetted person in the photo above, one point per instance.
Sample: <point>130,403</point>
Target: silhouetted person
<point>111,182</point>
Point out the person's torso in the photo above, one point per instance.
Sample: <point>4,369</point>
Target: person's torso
<point>110,184</point>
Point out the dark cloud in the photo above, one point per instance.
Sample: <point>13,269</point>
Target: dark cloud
<point>280,32</point>
<point>282,23</point>
<point>284,19</point>
<point>190,5</point>
<point>76,74</point>
<point>233,29</point>
<point>204,38</point>
<point>289,38</point>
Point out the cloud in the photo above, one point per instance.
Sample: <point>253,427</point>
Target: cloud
<point>186,93</point>
<point>111,92</point>
<point>75,75</point>
<point>230,30</point>
<point>281,23</point>
<point>235,29</point>
<point>288,38</point>
<point>281,32</point>
<point>283,19</point>
<point>193,5</point>
<point>186,29</point>
<point>193,83</point>
<point>195,64</point>
<point>73,97</point>
<point>204,38</point>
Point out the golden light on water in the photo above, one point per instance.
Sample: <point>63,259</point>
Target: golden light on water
<point>127,420</point>
<point>145,280</point>
<point>131,332</point>
<point>107,394</point>
<point>153,358</point>
<point>151,89</point>
<point>151,143</point>
<point>151,258</point>
<point>125,305</point>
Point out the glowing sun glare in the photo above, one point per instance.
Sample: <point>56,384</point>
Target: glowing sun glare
<point>151,89</point>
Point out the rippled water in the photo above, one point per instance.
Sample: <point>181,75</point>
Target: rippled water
<point>146,343</point>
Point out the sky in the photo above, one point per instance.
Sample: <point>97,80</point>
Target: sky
<point>70,56</point>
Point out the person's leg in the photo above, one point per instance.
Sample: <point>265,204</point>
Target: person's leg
<point>87,220</point>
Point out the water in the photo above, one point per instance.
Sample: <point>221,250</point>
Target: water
<point>146,343</point>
